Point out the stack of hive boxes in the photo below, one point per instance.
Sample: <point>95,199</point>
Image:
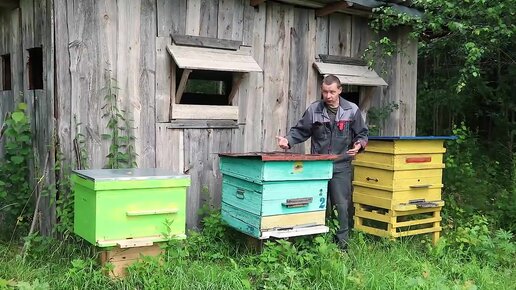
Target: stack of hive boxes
<point>126,211</point>
<point>274,194</point>
<point>397,186</point>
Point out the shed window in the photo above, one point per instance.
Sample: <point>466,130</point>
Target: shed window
<point>206,88</point>
<point>358,81</point>
<point>6,72</point>
<point>35,68</point>
<point>207,79</point>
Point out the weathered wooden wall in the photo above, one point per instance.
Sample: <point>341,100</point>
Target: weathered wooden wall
<point>10,43</point>
<point>31,26</point>
<point>285,42</point>
<point>126,40</point>
<point>96,41</point>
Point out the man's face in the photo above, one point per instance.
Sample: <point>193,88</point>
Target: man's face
<point>331,94</point>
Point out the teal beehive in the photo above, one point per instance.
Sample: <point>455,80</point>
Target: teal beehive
<point>275,194</point>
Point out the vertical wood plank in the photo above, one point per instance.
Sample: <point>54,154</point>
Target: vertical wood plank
<point>16,56</point>
<point>238,19</point>
<point>407,82</point>
<point>163,79</point>
<point>104,42</point>
<point>193,17</point>
<point>40,14</point>
<point>339,36</point>
<point>225,19</point>
<point>63,86</point>
<point>147,85</point>
<point>322,35</point>
<point>248,25</point>
<point>299,63</point>
<point>46,117</point>
<point>276,73</point>
<point>201,163</point>
<point>361,35</point>
<point>313,93</point>
<point>195,153</point>
<point>4,32</point>
<point>230,19</point>
<point>27,11</point>
<point>27,15</point>
<point>208,21</point>
<point>169,148</point>
<point>249,136</point>
<point>220,143</point>
<point>390,94</point>
<point>171,17</point>
<point>245,92</point>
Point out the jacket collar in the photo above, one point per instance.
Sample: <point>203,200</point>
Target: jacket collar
<point>343,105</point>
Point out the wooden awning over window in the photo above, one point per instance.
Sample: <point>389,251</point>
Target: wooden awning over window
<point>351,74</point>
<point>201,58</point>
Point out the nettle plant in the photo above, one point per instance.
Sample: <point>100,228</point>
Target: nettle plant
<point>122,153</point>
<point>14,169</point>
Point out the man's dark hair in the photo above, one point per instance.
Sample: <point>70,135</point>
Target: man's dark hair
<point>331,79</point>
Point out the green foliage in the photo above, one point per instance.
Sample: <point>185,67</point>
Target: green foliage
<point>466,73</point>
<point>218,258</point>
<point>377,116</point>
<point>121,150</point>
<point>36,285</point>
<point>16,203</point>
<point>80,146</point>
<point>65,199</point>
<point>475,183</point>
<point>472,238</point>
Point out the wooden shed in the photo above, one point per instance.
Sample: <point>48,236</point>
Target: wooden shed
<point>266,60</point>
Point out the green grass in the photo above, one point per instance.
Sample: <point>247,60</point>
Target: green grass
<point>219,258</point>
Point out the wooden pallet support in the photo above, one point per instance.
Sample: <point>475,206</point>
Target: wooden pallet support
<point>394,224</point>
<point>121,258</point>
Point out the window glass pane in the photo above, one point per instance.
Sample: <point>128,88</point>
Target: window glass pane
<point>206,87</point>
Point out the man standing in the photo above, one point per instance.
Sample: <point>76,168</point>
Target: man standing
<point>336,127</point>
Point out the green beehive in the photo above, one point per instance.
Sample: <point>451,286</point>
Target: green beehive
<point>129,207</point>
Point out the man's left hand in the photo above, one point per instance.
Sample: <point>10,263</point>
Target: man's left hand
<point>354,151</point>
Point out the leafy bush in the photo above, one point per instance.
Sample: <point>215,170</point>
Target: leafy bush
<point>474,239</point>
<point>475,183</point>
<point>16,206</point>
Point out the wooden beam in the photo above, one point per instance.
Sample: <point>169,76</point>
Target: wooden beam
<point>339,59</point>
<point>332,7</point>
<point>255,3</point>
<point>202,124</point>
<point>182,85</point>
<point>237,79</point>
<point>209,112</point>
<point>201,41</point>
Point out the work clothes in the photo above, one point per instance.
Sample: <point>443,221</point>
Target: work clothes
<point>334,137</point>
<point>331,138</point>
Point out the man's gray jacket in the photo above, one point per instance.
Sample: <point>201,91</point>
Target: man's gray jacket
<point>327,138</point>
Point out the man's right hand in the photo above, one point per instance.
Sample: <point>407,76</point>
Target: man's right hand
<point>282,142</point>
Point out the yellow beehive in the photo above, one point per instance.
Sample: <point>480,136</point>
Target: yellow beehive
<point>397,186</point>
